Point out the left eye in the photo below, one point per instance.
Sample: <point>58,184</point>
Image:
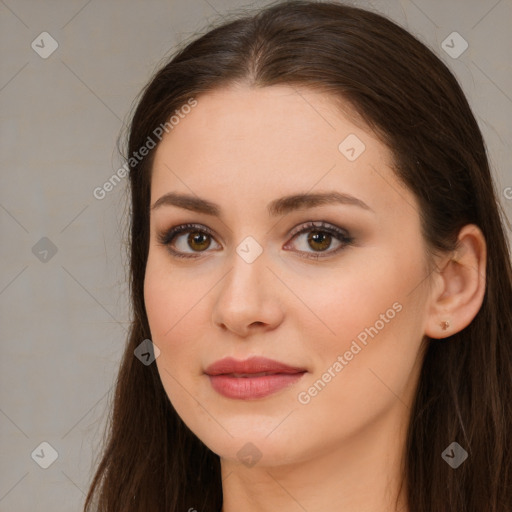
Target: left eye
<point>320,238</point>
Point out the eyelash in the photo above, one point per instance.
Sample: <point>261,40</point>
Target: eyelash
<point>165,238</point>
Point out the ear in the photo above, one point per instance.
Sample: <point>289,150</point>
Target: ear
<point>459,285</point>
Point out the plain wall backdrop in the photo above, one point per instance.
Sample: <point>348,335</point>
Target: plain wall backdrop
<point>64,308</point>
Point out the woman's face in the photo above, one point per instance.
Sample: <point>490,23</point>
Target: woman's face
<point>344,300</point>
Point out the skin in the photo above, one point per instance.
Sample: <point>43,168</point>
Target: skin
<point>241,148</point>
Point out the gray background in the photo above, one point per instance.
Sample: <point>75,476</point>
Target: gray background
<point>64,316</point>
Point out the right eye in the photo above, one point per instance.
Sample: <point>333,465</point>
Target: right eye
<point>199,240</point>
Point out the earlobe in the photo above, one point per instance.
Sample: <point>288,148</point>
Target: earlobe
<point>462,281</point>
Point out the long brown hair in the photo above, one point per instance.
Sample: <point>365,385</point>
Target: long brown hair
<point>151,461</point>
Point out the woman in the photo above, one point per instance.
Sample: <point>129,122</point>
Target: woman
<point>319,266</point>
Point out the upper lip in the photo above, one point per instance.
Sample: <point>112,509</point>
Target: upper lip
<point>254,364</point>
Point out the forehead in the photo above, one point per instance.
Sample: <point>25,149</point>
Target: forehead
<point>244,143</point>
<point>235,121</point>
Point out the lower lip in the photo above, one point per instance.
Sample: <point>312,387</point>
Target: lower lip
<point>249,388</point>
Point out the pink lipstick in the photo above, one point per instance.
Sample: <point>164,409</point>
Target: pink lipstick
<point>256,377</point>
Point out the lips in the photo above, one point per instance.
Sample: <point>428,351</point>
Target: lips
<point>252,367</point>
<point>256,377</point>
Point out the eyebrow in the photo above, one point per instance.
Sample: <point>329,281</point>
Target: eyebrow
<point>275,208</point>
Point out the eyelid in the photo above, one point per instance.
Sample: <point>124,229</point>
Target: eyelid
<point>320,225</point>
<point>167,236</point>
<point>342,235</point>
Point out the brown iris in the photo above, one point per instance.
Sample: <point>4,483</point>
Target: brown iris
<point>198,240</point>
<point>320,237</point>
<point>201,241</point>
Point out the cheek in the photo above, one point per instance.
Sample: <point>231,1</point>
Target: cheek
<point>175,322</point>
<point>377,326</point>
<point>376,312</point>
<point>163,305</point>
<point>168,298</point>
<point>168,308</point>
<point>368,293</point>
<point>175,312</point>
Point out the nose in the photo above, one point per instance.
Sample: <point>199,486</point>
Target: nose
<point>248,298</point>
